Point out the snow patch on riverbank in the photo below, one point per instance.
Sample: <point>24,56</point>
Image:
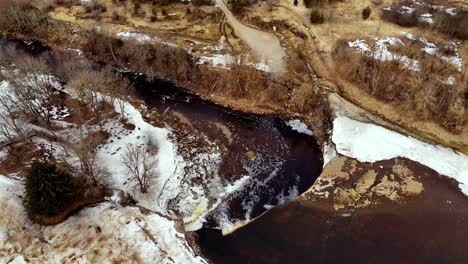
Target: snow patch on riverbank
<point>370,143</point>
<point>299,126</point>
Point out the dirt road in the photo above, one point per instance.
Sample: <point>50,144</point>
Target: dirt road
<point>266,45</point>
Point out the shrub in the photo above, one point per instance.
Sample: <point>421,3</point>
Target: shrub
<point>201,2</point>
<point>164,12</point>
<point>136,8</point>
<point>237,6</point>
<point>366,13</point>
<point>316,17</point>
<point>22,17</point>
<point>296,2</point>
<point>95,7</point>
<point>422,94</point>
<point>48,189</point>
<point>312,3</point>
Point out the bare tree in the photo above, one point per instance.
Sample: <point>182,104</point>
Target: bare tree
<point>12,124</point>
<point>140,164</point>
<point>85,150</point>
<point>32,89</point>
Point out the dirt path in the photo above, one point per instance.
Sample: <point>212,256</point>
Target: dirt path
<point>266,45</point>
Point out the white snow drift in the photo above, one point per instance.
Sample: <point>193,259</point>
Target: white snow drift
<point>371,143</point>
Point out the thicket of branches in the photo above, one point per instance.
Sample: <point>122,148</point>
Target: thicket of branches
<point>21,17</point>
<point>454,25</point>
<point>424,94</point>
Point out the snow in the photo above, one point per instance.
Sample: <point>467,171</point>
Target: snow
<point>329,153</point>
<point>217,60</point>
<point>426,18</point>
<point>360,44</point>
<point>299,126</point>
<point>406,10</point>
<point>451,11</point>
<point>136,36</point>
<point>225,60</point>
<point>111,153</point>
<point>77,51</point>
<point>18,260</point>
<point>382,53</point>
<point>123,233</point>
<point>450,80</point>
<point>371,143</point>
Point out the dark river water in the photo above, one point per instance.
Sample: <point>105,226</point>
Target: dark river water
<point>279,162</point>
<point>285,163</point>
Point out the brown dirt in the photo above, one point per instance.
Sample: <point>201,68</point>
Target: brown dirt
<point>77,204</point>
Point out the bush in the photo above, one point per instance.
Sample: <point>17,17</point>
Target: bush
<point>296,2</point>
<point>201,2</point>
<point>366,13</point>
<point>21,17</point>
<point>237,7</point>
<point>136,8</point>
<point>316,17</point>
<point>95,7</point>
<point>48,189</point>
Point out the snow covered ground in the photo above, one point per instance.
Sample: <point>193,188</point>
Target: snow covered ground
<point>378,49</point>
<point>101,234</point>
<point>126,233</point>
<point>225,60</point>
<point>299,126</point>
<point>369,143</point>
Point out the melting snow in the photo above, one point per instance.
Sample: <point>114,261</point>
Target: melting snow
<point>136,36</point>
<point>299,126</point>
<point>371,143</point>
<point>426,18</point>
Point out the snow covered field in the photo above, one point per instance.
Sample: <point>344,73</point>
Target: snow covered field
<point>369,143</point>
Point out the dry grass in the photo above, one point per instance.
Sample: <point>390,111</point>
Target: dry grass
<point>423,94</point>
<point>20,17</point>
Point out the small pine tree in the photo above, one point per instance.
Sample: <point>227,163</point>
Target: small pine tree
<point>316,17</point>
<point>164,12</point>
<point>237,6</point>
<point>296,2</point>
<point>189,12</point>
<point>48,189</point>
<point>136,8</point>
<point>366,12</point>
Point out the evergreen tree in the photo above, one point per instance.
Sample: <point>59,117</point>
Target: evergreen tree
<point>366,13</point>
<point>136,8</point>
<point>48,189</point>
<point>237,6</point>
<point>316,17</point>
